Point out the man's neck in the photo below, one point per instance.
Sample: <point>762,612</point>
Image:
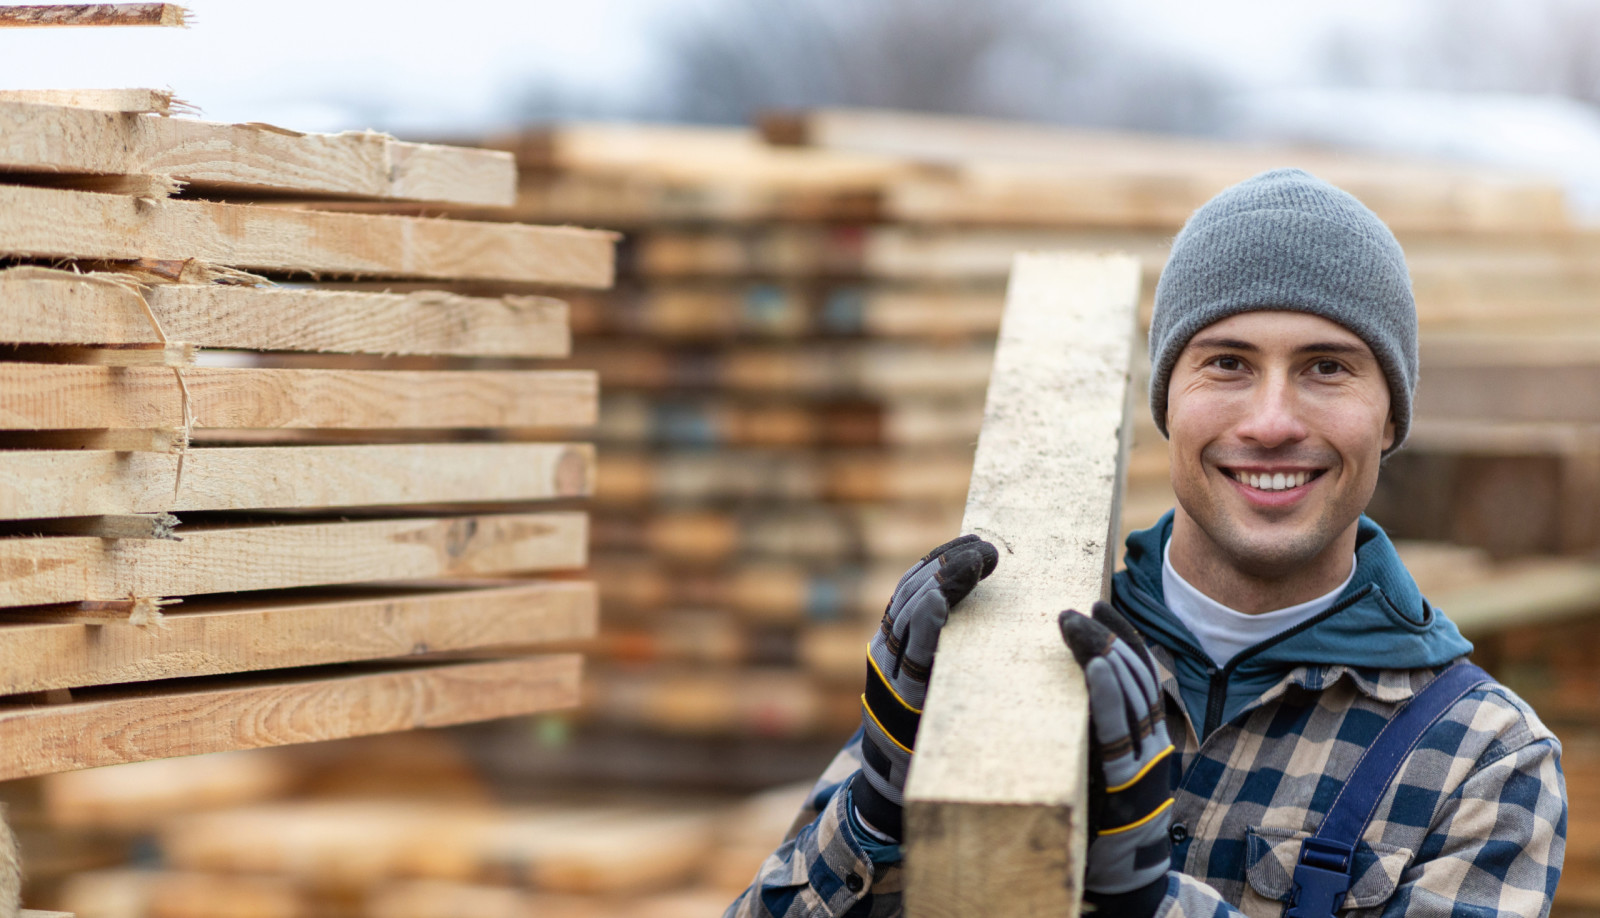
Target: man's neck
<point>1206,567</point>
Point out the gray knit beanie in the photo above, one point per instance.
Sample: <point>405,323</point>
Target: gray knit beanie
<point>1288,240</point>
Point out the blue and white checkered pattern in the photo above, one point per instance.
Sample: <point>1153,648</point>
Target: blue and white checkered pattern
<point>1475,823</point>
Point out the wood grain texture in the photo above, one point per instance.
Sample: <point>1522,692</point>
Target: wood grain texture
<point>55,569</point>
<point>37,396</point>
<point>995,799</point>
<point>38,484</point>
<point>37,137</point>
<point>50,223</point>
<point>92,14</point>
<point>112,726</point>
<point>53,649</point>
<point>47,306</point>
<point>128,101</point>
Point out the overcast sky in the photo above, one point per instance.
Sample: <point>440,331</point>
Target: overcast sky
<point>332,64</point>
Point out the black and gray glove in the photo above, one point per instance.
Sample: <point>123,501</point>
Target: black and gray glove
<point>1130,761</point>
<point>899,660</point>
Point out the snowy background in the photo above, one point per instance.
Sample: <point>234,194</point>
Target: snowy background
<point>1508,81</point>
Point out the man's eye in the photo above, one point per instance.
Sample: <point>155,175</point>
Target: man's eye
<point>1227,364</point>
<point>1328,367</point>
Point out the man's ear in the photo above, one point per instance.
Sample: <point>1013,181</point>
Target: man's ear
<point>1388,432</point>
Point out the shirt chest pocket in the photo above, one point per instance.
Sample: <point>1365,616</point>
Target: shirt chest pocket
<point>1270,856</point>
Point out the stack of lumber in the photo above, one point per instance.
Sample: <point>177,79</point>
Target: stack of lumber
<point>796,352</point>
<point>391,827</point>
<point>242,504</point>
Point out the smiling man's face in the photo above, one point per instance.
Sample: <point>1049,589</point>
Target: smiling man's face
<point>1277,422</point>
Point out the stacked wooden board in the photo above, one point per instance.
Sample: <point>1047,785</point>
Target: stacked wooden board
<point>242,504</point>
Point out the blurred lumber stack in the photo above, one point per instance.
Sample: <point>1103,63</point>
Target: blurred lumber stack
<point>1538,630</point>
<point>797,347</point>
<point>795,356</point>
<point>385,827</point>
<point>234,511</point>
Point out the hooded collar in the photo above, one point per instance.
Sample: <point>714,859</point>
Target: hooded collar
<point>1377,631</point>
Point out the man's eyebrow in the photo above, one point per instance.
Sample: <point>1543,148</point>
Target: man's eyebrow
<point>1227,344</point>
<point>1316,347</point>
<point>1333,347</point>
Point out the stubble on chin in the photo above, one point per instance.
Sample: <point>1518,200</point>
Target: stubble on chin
<point>1267,550</point>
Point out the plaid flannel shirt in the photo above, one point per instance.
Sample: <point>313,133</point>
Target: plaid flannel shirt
<point>1474,824</point>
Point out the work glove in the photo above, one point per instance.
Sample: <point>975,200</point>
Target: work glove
<point>1130,761</point>
<point>899,660</point>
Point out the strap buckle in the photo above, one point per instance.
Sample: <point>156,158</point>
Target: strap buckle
<point>1321,878</point>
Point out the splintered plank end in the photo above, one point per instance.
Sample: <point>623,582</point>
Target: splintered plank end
<point>57,15</point>
<point>125,101</point>
<point>996,792</point>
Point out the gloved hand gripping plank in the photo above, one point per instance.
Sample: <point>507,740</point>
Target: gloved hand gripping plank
<point>995,800</point>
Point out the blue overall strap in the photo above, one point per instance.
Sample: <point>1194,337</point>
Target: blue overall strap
<point>1322,872</point>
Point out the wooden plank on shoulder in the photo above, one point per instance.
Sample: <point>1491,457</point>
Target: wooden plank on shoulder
<point>112,726</point>
<point>97,137</point>
<point>41,396</point>
<point>170,15</point>
<point>52,648</point>
<point>57,569</point>
<point>49,306</point>
<point>52,223</point>
<point>38,484</point>
<point>996,794</point>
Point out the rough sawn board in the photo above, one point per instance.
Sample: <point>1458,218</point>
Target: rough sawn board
<point>995,801</point>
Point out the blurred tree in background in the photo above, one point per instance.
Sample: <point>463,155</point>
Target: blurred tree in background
<point>1536,47</point>
<point>722,61</point>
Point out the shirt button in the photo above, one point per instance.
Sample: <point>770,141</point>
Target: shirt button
<point>854,882</point>
<point>1179,833</point>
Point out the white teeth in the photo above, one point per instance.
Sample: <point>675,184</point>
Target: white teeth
<point>1275,481</point>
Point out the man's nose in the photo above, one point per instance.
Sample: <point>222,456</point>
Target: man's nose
<point>1274,418</point>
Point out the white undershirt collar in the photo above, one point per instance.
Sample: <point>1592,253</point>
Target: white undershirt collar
<point>1223,632</point>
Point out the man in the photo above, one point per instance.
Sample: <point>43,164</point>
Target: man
<point>1283,632</point>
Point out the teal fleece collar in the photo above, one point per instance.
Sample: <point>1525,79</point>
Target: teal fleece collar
<point>1379,622</point>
